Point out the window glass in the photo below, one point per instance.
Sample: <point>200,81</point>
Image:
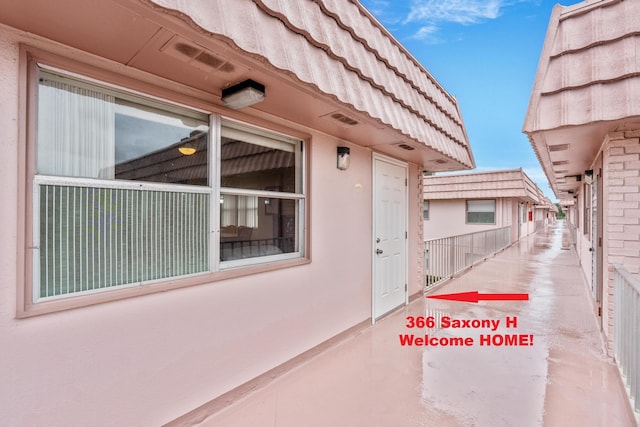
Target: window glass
<point>92,132</point>
<point>117,219</point>
<point>254,223</point>
<point>481,211</point>
<point>255,160</point>
<point>94,235</point>
<point>425,210</point>
<point>257,226</point>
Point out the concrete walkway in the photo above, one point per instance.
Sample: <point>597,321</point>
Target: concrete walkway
<point>527,363</point>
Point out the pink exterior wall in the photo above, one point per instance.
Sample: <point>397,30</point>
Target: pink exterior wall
<point>448,218</point>
<point>149,359</point>
<point>621,219</point>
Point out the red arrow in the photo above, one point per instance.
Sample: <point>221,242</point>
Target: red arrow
<point>474,297</point>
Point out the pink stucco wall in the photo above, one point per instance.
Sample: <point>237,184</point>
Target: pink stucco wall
<point>149,359</point>
<point>448,218</point>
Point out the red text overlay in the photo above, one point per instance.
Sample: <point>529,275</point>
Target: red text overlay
<point>490,335</point>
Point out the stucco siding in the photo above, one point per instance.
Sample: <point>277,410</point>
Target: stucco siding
<point>149,359</point>
<point>448,218</point>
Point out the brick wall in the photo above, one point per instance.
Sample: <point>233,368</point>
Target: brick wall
<point>621,164</point>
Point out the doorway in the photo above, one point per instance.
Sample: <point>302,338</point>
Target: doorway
<point>389,235</point>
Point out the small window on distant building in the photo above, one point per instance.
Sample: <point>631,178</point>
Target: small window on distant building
<point>425,210</point>
<point>481,211</point>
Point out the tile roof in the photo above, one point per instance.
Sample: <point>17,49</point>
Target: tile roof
<point>513,183</point>
<point>587,86</point>
<point>589,69</point>
<point>338,48</point>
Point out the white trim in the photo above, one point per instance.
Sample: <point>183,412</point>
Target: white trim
<point>35,240</point>
<point>214,183</point>
<point>245,262</point>
<point>118,184</point>
<point>116,288</point>
<point>260,193</point>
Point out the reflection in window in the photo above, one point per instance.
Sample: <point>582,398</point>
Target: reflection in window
<point>91,132</point>
<point>101,234</point>
<point>257,161</point>
<point>108,223</point>
<point>261,164</point>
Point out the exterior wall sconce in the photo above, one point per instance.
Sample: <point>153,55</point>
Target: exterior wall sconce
<point>243,94</point>
<point>588,176</point>
<point>343,158</point>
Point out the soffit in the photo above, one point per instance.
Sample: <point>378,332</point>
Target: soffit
<point>587,85</point>
<point>334,62</point>
<point>316,43</point>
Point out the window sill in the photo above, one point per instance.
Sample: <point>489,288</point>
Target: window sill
<point>72,302</point>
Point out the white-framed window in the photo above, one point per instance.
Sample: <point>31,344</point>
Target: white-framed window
<point>261,195</point>
<point>425,210</point>
<point>481,212</point>
<point>130,190</point>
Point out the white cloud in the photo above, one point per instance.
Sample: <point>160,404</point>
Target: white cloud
<point>456,11</point>
<point>430,15</point>
<point>427,33</point>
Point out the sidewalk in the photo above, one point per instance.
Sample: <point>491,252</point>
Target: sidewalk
<point>370,379</point>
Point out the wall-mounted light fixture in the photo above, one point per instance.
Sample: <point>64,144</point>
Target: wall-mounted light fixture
<point>243,94</point>
<point>572,178</point>
<point>588,176</point>
<point>343,158</point>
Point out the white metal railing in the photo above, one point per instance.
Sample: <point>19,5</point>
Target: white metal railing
<point>626,331</point>
<point>447,256</point>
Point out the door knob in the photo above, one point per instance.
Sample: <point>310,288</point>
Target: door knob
<point>379,251</point>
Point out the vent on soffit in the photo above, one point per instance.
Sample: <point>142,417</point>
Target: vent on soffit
<point>344,119</point>
<point>196,55</point>
<point>440,161</point>
<point>560,162</point>
<point>558,147</point>
<point>405,147</point>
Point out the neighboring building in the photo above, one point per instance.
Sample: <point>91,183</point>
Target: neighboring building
<point>162,246</point>
<point>583,122</point>
<point>457,204</point>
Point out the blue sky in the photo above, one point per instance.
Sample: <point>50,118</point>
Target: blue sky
<point>485,53</point>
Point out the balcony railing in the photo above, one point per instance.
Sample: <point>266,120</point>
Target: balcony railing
<point>447,256</point>
<point>626,331</point>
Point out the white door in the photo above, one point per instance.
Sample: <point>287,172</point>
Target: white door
<point>389,235</point>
